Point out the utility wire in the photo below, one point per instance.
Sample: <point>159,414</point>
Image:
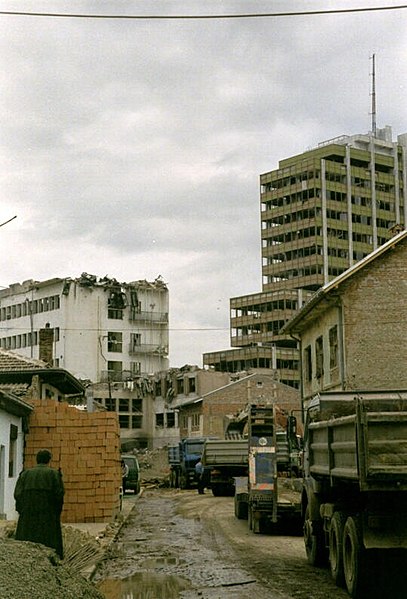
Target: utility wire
<point>304,13</point>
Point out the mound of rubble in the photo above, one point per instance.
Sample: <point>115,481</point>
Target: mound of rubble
<point>154,467</point>
<point>32,571</point>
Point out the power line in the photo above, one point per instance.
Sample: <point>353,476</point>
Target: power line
<point>304,13</point>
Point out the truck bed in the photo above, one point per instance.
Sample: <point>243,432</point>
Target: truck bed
<point>368,447</point>
<point>225,452</point>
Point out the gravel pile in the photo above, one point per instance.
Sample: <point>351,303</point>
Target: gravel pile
<point>32,571</point>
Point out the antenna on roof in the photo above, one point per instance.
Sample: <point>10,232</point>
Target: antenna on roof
<point>373,94</point>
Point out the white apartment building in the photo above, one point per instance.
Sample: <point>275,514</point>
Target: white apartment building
<point>98,329</point>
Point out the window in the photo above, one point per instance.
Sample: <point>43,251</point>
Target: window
<point>12,456</point>
<point>110,404</point>
<point>180,386</point>
<point>158,388</point>
<point>124,421</point>
<point>159,420</point>
<point>115,314</point>
<point>170,420</point>
<point>333,347</point>
<point>307,363</point>
<point>135,367</point>
<point>192,385</point>
<point>114,370</point>
<point>114,341</point>
<point>135,341</point>
<point>137,405</point>
<point>319,357</point>
<point>124,404</point>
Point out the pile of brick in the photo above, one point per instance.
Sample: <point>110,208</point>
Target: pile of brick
<point>86,446</point>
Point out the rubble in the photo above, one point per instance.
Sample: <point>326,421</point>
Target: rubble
<point>33,571</point>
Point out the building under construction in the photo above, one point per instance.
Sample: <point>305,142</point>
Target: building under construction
<point>321,211</point>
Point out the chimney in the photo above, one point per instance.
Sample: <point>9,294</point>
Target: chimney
<point>46,344</point>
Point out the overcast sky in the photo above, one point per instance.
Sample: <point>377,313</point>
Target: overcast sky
<point>133,148</point>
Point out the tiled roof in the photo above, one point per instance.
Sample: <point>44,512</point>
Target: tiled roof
<point>17,389</point>
<point>12,361</point>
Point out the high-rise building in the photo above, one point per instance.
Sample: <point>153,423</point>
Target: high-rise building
<point>321,211</point>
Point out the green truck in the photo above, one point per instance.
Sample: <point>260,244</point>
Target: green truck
<point>354,498</point>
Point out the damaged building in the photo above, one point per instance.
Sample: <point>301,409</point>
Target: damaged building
<point>322,211</point>
<point>110,334</point>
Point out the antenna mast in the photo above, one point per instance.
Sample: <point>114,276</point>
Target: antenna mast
<point>373,94</point>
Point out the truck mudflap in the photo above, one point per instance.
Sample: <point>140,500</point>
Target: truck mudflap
<point>384,530</point>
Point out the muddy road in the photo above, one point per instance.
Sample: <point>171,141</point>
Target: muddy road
<point>181,544</point>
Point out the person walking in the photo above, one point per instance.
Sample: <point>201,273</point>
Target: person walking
<point>39,497</point>
<point>199,475</point>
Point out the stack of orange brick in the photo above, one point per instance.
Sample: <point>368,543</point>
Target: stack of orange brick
<point>86,446</point>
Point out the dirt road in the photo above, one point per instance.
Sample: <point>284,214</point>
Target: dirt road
<point>181,544</point>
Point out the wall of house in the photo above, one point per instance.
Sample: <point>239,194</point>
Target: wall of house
<point>210,414</point>
<point>8,479</point>
<point>86,446</point>
<point>374,323</point>
<point>328,378</point>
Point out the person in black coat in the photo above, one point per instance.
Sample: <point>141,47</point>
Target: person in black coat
<point>39,496</point>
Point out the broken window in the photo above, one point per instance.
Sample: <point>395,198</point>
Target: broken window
<point>180,386</point>
<point>319,357</point>
<point>135,341</point>
<point>159,420</point>
<point>110,404</point>
<point>191,385</point>
<point>114,370</point>
<point>114,341</point>
<point>138,405</point>
<point>170,420</point>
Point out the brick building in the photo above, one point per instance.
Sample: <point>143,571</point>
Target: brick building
<point>209,414</point>
<point>353,331</point>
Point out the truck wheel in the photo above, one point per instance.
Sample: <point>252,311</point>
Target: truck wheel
<point>314,542</point>
<point>336,547</point>
<point>354,559</point>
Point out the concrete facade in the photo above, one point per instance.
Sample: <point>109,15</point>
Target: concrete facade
<point>352,332</point>
<point>103,330</point>
<point>321,212</point>
<point>208,415</point>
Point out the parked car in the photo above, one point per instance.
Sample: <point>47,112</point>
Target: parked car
<point>133,477</point>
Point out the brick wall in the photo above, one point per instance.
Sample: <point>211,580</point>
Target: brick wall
<point>374,321</point>
<point>229,400</point>
<point>86,446</point>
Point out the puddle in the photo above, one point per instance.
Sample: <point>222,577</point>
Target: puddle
<point>157,562</point>
<point>144,585</point>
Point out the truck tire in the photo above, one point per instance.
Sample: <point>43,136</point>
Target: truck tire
<point>336,548</point>
<point>314,541</point>
<point>355,560</point>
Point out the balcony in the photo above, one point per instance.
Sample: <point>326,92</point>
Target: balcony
<point>148,348</point>
<point>144,316</point>
<point>118,376</point>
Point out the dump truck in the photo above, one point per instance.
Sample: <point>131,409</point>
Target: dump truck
<point>271,493</point>
<point>182,459</point>
<point>355,485</point>
<point>223,460</point>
